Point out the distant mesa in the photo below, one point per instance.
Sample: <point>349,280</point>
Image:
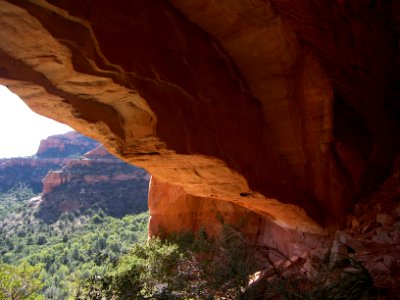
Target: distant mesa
<point>52,154</point>
<point>76,174</point>
<point>71,144</point>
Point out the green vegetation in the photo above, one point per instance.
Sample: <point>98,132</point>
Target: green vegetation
<point>93,256</point>
<point>20,283</point>
<point>184,267</point>
<point>181,267</point>
<point>73,248</point>
<point>14,200</point>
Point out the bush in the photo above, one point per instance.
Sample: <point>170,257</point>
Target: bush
<point>185,267</point>
<point>182,267</point>
<point>22,282</point>
<point>41,240</point>
<point>97,219</point>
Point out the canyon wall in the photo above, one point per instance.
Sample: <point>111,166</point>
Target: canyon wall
<point>26,171</point>
<point>75,174</point>
<point>53,153</point>
<point>173,210</point>
<point>287,109</point>
<point>71,144</point>
<point>96,181</point>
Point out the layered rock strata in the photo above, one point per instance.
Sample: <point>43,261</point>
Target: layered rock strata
<point>98,181</point>
<point>26,171</point>
<point>53,153</point>
<point>71,144</point>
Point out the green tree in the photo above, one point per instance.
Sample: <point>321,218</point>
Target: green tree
<point>21,282</point>
<point>97,219</point>
<point>41,240</point>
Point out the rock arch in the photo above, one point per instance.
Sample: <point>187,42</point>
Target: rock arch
<point>289,111</point>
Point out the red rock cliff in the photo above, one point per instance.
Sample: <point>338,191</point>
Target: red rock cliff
<point>26,171</point>
<point>99,182</point>
<point>256,103</point>
<point>97,166</point>
<point>65,145</point>
<point>54,179</point>
<point>54,152</point>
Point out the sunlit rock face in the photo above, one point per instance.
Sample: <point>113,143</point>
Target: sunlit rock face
<point>256,103</point>
<point>96,180</point>
<point>71,144</point>
<point>54,152</point>
<point>173,210</point>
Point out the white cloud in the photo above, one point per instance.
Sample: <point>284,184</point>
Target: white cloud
<point>20,128</point>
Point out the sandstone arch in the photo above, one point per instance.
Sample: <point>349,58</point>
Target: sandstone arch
<point>257,103</point>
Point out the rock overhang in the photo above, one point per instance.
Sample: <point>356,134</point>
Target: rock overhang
<point>245,102</point>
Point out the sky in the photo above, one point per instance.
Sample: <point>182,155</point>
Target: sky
<point>20,128</point>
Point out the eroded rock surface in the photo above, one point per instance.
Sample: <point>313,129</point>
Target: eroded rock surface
<point>173,210</point>
<point>256,103</point>
<point>71,144</point>
<point>98,181</point>
<point>26,171</point>
<point>54,152</point>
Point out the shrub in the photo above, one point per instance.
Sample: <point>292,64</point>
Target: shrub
<point>97,219</point>
<point>22,282</point>
<point>41,240</point>
<point>188,267</point>
<point>181,267</point>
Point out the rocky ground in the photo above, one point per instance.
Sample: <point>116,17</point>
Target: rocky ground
<point>371,237</point>
<point>362,257</point>
<point>373,233</point>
